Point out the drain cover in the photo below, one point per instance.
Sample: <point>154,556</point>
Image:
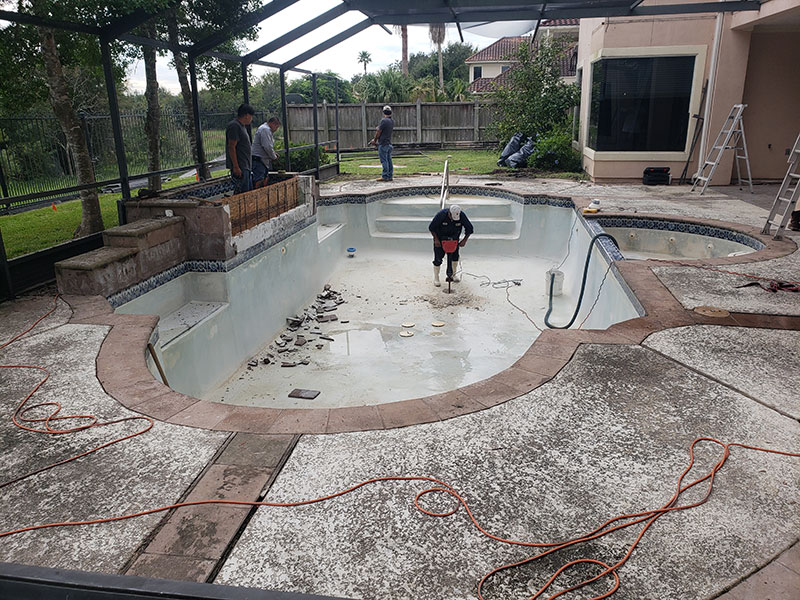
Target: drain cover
<point>712,311</point>
<point>438,323</point>
<point>408,324</point>
<point>406,333</point>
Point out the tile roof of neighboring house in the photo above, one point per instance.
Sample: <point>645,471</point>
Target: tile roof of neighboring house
<point>501,50</point>
<point>567,66</point>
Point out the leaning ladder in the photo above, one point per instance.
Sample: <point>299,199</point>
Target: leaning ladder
<point>730,137</point>
<point>788,194</point>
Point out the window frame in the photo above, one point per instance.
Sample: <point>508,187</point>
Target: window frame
<point>475,70</point>
<point>699,52</point>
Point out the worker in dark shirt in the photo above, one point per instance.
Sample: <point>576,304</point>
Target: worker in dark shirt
<point>383,140</point>
<point>237,149</point>
<point>448,224</point>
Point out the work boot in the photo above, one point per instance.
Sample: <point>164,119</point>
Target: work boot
<point>794,224</point>
<point>436,281</point>
<point>455,276</point>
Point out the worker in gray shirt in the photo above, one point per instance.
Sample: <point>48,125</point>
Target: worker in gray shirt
<point>237,146</point>
<point>263,151</point>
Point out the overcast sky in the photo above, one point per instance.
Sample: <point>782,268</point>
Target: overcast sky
<point>342,58</point>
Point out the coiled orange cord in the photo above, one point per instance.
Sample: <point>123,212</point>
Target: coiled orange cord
<point>89,421</point>
<point>646,518</point>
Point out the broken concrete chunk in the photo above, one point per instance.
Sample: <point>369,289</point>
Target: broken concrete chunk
<point>300,341</point>
<point>252,363</point>
<point>325,337</point>
<point>320,346</point>
<point>288,364</point>
<point>343,321</point>
<point>305,361</point>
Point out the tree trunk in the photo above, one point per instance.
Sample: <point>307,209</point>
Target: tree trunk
<point>404,36</point>
<point>152,123</point>
<point>186,93</point>
<point>91,217</point>
<point>441,70</point>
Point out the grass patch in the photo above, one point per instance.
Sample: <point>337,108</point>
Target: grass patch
<point>462,162</point>
<point>42,228</point>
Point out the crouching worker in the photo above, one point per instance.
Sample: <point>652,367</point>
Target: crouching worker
<point>447,226</point>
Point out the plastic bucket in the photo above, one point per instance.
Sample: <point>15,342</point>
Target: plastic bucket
<point>449,246</point>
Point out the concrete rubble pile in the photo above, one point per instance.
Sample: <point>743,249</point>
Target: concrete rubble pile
<point>301,330</point>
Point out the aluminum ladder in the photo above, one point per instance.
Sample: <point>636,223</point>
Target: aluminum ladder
<point>788,194</point>
<point>730,137</point>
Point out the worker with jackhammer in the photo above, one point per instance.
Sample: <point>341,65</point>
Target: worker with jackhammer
<point>447,226</point>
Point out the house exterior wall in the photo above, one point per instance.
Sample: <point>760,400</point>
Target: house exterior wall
<point>772,95</point>
<point>754,66</point>
<point>490,69</point>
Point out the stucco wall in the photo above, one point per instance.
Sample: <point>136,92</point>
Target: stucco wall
<point>772,95</point>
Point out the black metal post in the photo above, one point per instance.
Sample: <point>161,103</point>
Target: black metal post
<point>116,127</point>
<point>3,184</point>
<point>6,270</point>
<point>285,112</point>
<point>246,94</point>
<point>316,124</point>
<point>336,91</point>
<point>196,109</point>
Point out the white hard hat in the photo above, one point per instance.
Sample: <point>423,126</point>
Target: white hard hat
<point>455,212</point>
<point>387,108</point>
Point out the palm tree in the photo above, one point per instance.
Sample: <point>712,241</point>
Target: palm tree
<point>403,31</point>
<point>366,58</point>
<point>436,32</point>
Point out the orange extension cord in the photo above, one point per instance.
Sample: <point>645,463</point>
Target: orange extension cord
<point>645,518</point>
<point>90,421</point>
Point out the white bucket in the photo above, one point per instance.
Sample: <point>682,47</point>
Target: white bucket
<point>558,283</point>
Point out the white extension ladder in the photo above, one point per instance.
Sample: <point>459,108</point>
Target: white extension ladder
<point>730,137</point>
<point>788,194</point>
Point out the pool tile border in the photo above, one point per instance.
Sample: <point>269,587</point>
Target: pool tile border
<point>129,381</point>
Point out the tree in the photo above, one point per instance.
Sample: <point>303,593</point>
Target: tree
<point>536,101</point>
<point>403,31</point>
<point>325,88</point>
<point>437,32</point>
<point>457,90</point>
<point>365,58</point>
<point>152,123</point>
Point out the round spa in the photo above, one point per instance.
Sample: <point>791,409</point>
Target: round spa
<point>252,330</point>
<point>652,238</point>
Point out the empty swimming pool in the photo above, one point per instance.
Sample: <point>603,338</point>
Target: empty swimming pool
<point>217,328</point>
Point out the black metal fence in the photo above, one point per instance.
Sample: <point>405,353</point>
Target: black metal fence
<point>35,158</point>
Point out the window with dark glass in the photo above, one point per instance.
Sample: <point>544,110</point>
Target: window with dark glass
<point>504,68</point>
<point>640,104</point>
<point>477,72</point>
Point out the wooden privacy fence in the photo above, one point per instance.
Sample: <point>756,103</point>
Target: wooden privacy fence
<point>414,123</point>
<point>258,206</point>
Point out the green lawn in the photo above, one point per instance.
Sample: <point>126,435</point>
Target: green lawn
<point>464,162</point>
<point>42,228</point>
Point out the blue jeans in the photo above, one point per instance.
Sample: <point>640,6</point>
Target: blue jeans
<point>385,154</point>
<point>245,184</point>
<point>260,171</point>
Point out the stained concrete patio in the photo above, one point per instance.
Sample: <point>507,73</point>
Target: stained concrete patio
<point>609,434</point>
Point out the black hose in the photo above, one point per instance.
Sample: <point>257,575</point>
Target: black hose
<point>583,285</point>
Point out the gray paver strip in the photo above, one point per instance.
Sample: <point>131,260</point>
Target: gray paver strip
<point>609,434</point>
<point>763,363</point>
<point>148,471</point>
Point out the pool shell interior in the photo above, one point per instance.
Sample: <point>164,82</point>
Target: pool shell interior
<point>538,364</point>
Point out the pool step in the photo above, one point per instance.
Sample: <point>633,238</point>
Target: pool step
<point>427,207</point>
<point>182,320</point>
<point>484,225</point>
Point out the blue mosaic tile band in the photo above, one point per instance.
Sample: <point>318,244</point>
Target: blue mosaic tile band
<point>682,227</point>
<point>606,245</point>
<point>369,197</point>
<point>215,187</point>
<point>207,266</point>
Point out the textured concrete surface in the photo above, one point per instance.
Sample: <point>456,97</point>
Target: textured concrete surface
<point>148,471</point>
<point>608,435</point>
<point>762,363</point>
<point>698,287</point>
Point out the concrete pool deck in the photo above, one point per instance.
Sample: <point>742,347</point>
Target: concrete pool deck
<point>586,425</point>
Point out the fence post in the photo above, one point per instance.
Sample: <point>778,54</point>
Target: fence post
<point>116,127</point>
<point>364,124</point>
<point>476,132</point>
<point>419,121</point>
<point>325,130</point>
<point>3,184</point>
<point>316,123</point>
<point>287,159</point>
<point>6,270</point>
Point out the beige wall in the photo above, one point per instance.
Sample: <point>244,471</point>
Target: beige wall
<point>772,95</point>
<point>490,70</point>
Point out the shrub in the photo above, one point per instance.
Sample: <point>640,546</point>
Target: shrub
<point>554,152</point>
<point>302,160</point>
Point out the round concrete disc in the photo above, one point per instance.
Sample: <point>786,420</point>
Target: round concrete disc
<point>406,333</point>
<point>712,311</point>
<point>438,323</point>
<point>408,324</point>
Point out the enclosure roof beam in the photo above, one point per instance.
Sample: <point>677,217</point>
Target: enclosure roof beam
<point>318,49</point>
<point>27,19</point>
<point>296,33</point>
<point>250,20</point>
<point>132,21</point>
